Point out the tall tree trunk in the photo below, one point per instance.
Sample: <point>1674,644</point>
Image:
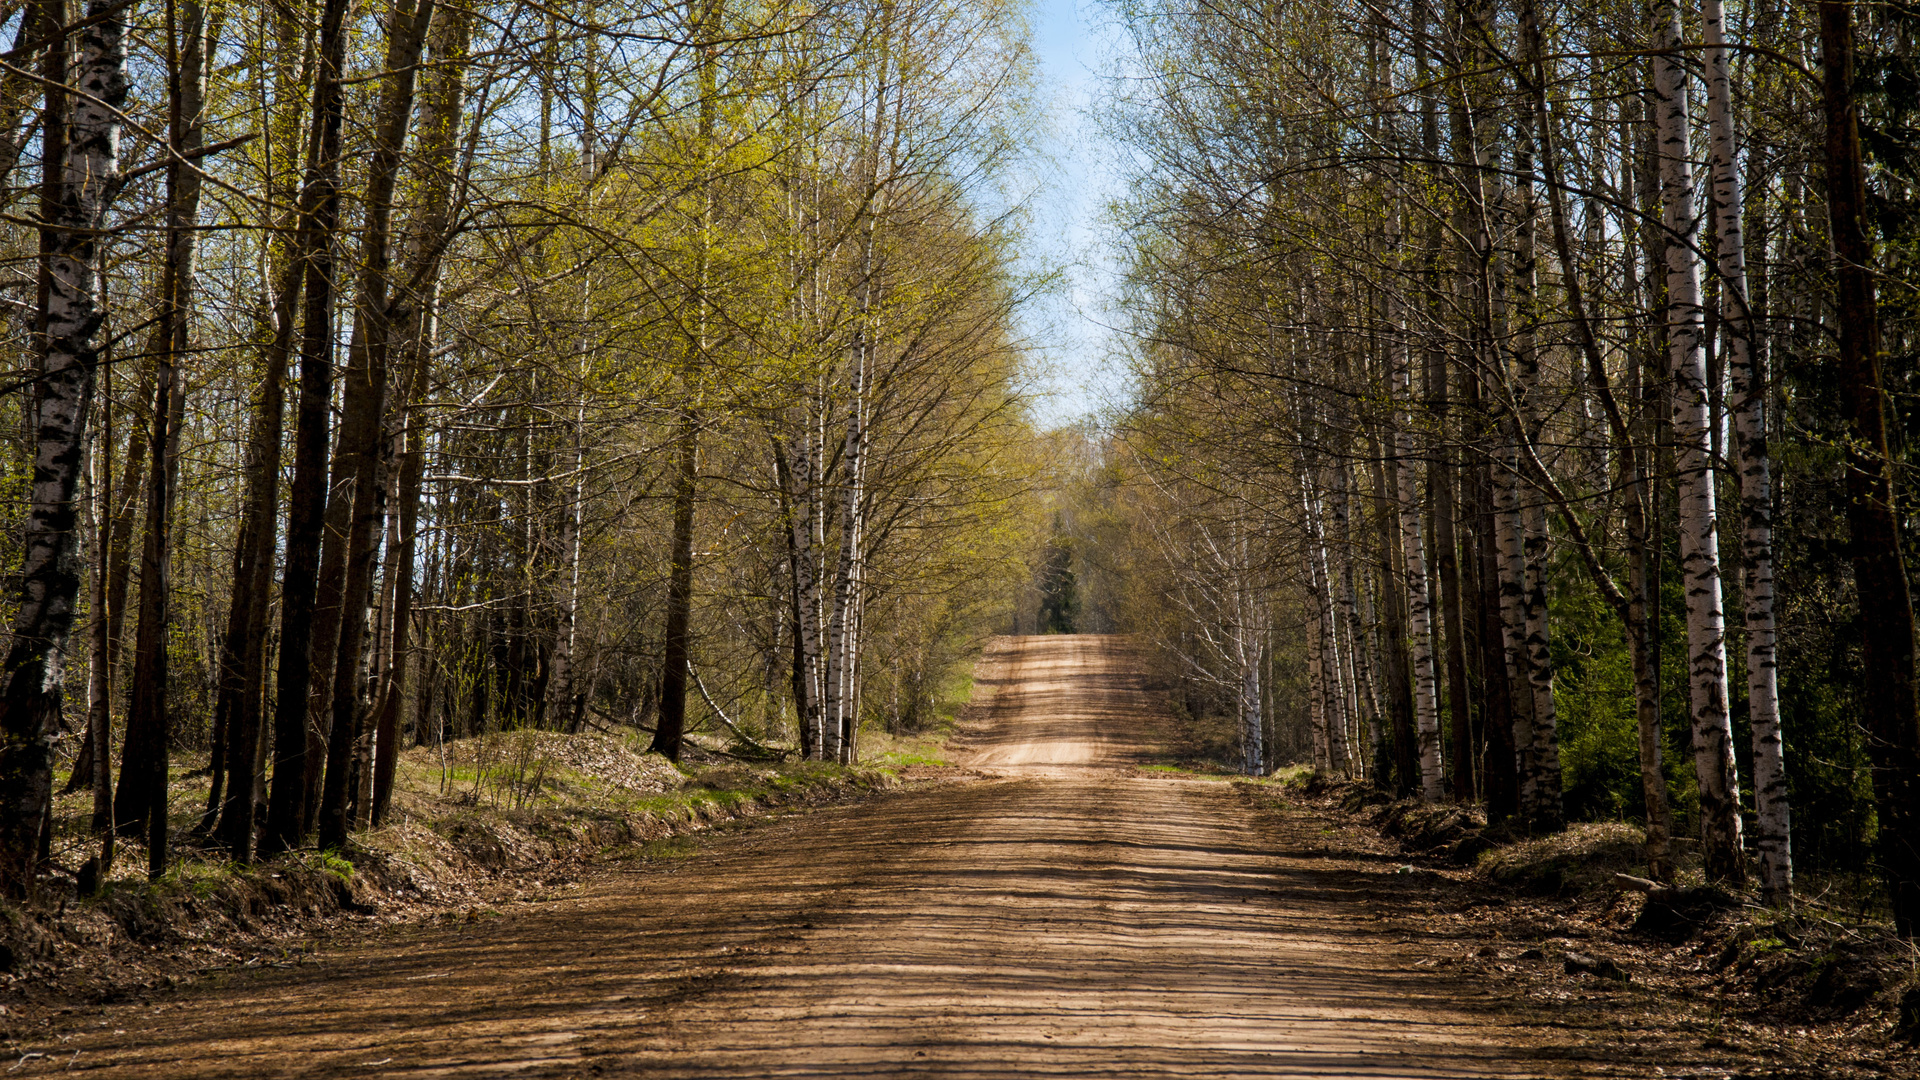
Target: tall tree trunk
<point>1889,702</point>
<point>677,646</point>
<point>1402,736</point>
<point>1654,460</point>
<point>243,654</point>
<point>1632,606</point>
<point>116,560</point>
<point>88,136</point>
<point>404,540</point>
<point>795,473</point>
<point>1498,761</point>
<point>294,743</point>
<point>1713,760</point>
<point>1440,468</point>
<point>242,670</point>
<point>445,97</point>
<point>1452,618</point>
<point>362,435</point>
<point>1472,117</point>
<point>140,805</point>
<point>117,507</point>
<point>1249,651</point>
<point>1353,675</point>
<point>1426,710</point>
<point>1643,633</point>
<point>675,649</point>
<point>1317,682</point>
<point>1320,664</point>
<point>1547,811</point>
<point>1333,696</point>
<point>1773,818</point>
<point>842,634</point>
<point>1510,583</point>
<point>99,749</point>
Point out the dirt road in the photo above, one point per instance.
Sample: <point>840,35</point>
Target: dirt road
<point>1065,914</point>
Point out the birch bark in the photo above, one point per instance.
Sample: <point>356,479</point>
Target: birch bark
<point>1419,615</point>
<point>99,761</point>
<point>1510,571</point>
<point>1773,817</point>
<point>1357,707</point>
<point>49,577</point>
<point>1249,645</point>
<point>843,618</point>
<point>1440,467</point>
<point>1699,532</point>
<point>1332,695</point>
<point>1317,680</point>
<point>1546,811</point>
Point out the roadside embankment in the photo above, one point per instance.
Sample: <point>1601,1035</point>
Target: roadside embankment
<point>1662,974</point>
<point>473,824</point>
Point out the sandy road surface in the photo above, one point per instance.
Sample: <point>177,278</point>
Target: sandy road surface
<point>1064,916</point>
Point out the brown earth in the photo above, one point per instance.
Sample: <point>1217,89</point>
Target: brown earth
<point>1050,909</point>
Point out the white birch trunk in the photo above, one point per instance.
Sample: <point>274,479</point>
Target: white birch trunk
<point>1333,695</point>
<point>1359,704</point>
<point>1253,749</point>
<point>1699,538</point>
<point>49,578</point>
<point>1317,681</point>
<point>1543,740</point>
<point>1773,817</point>
<point>1511,569</point>
<point>841,638</point>
<point>560,695</point>
<point>807,593</point>
<point>1249,643</point>
<point>1426,711</point>
<point>1549,812</point>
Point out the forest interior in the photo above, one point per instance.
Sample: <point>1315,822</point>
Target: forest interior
<point>557,538</point>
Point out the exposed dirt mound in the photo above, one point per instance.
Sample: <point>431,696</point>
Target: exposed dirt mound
<point>1676,915</point>
<point>1578,862</point>
<point>1800,968</point>
<point>608,759</point>
<point>1438,830</point>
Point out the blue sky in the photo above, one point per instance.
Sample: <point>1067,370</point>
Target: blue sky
<point>1083,372</point>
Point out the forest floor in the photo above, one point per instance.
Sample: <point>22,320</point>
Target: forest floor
<point>1060,903</point>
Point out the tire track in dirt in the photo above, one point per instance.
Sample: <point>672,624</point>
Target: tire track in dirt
<point>1057,914</point>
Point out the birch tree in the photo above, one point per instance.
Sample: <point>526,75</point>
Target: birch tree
<point>83,137</point>
<point>1699,519</point>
